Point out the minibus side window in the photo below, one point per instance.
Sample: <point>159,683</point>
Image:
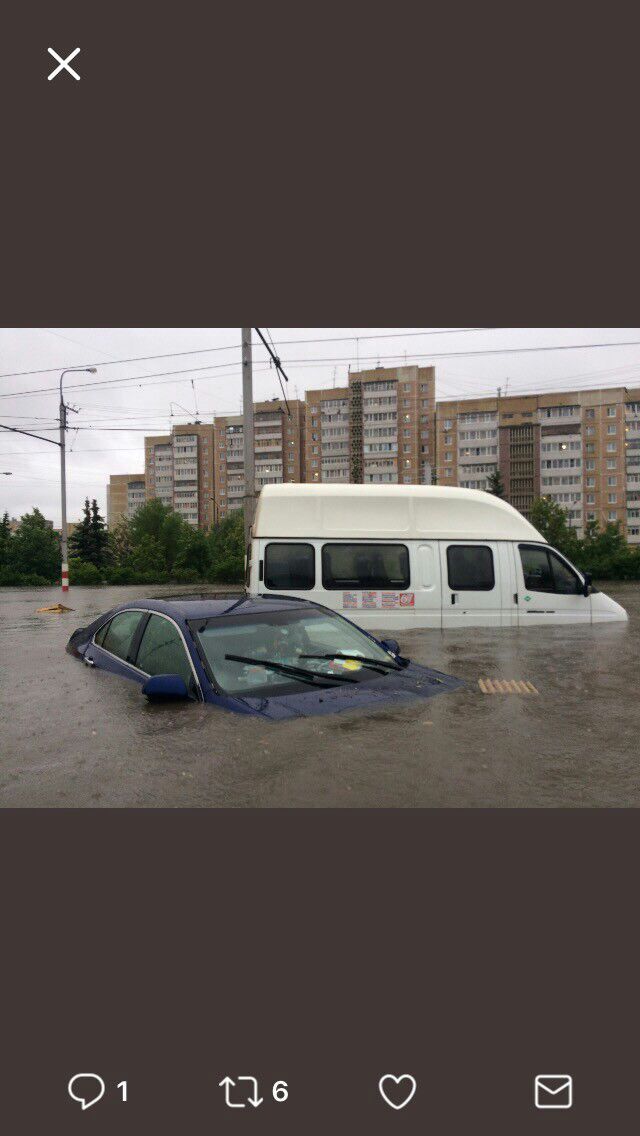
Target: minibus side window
<point>545,571</point>
<point>365,566</point>
<point>470,568</point>
<point>289,567</point>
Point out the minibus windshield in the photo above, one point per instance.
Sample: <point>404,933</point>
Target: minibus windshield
<point>285,651</point>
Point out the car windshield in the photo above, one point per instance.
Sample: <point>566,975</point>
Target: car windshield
<point>283,652</point>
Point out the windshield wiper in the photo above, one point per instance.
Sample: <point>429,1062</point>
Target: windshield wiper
<point>372,664</point>
<point>293,672</point>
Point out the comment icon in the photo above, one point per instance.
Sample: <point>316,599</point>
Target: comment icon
<point>86,1088</point>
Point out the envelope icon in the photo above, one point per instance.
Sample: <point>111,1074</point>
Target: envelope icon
<point>554,1090</point>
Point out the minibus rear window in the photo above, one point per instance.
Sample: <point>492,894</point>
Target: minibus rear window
<point>289,567</point>
<point>365,567</point>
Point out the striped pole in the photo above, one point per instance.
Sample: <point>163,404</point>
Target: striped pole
<point>65,577</point>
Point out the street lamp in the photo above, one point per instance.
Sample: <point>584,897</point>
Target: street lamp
<point>63,473</point>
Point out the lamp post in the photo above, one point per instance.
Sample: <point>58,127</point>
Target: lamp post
<point>63,473</point>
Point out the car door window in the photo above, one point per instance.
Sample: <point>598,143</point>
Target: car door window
<point>470,568</point>
<point>565,579</point>
<point>545,571</point>
<point>99,635</point>
<point>120,633</point>
<point>162,650</point>
<point>536,569</point>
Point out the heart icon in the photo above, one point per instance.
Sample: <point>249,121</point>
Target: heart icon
<point>397,1092</point>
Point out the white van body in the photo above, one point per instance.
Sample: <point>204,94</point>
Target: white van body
<point>396,556</point>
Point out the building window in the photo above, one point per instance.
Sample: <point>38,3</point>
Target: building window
<point>365,566</point>
<point>470,568</point>
<point>613,499</point>
<point>613,517</point>
<point>289,567</point>
<point>611,412</point>
<point>611,447</point>
<point>448,424</point>
<point>612,481</point>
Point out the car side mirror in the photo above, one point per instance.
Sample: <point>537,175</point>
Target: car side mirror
<point>588,580</point>
<point>391,645</point>
<point>165,687</point>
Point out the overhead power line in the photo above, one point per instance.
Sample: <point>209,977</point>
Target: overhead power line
<point>234,347</point>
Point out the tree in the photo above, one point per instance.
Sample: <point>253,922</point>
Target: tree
<point>99,540</point>
<point>194,555</point>
<point>80,541</point>
<point>552,521</point>
<point>120,542</point>
<point>147,559</point>
<point>35,548</point>
<point>495,484</point>
<point>226,542</point>
<point>5,538</point>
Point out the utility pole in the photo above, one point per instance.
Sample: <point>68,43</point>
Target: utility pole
<point>63,493</point>
<point>63,475</point>
<point>248,432</point>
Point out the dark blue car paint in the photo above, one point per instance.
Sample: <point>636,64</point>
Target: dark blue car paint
<point>399,687</point>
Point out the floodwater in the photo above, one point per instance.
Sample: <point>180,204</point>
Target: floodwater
<point>73,737</point>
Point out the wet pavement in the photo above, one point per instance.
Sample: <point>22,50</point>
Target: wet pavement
<point>72,737</point>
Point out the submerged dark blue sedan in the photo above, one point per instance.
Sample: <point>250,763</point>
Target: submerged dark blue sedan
<point>273,657</point>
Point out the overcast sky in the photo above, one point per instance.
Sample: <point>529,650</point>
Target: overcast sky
<point>113,416</point>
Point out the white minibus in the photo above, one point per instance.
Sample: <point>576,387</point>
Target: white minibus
<point>411,556</point>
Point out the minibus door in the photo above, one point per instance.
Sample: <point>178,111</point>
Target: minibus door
<point>472,584</point>
<point>550,591</point>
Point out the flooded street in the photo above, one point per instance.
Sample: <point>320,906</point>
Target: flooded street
<point>72,737</point>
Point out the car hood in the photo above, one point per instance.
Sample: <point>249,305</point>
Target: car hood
<point>398,688</point>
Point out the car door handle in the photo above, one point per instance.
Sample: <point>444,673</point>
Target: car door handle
<point>454,599</point>
<point>89,662</point>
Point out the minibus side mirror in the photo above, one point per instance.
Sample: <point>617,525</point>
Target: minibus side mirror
<point>588,580</point>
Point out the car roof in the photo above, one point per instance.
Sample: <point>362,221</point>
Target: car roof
<point>210,607</point>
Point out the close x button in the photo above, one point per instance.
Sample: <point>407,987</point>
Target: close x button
<point>63,64</point>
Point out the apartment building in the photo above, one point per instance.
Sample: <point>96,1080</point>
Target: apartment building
<point>126,492</point>
<point>279,446</point>
<point>327,435</point>
<point>580,449</point>
<point>179,470</point>
<point>378,429</point>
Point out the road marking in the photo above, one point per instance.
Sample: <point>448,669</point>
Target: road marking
<point>507,686</point>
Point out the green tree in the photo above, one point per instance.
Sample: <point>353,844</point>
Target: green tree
<point>147,560</point>
<point>99,540</point>
<point>5,539</point>
<point>552,521</point>
<point>174,532</point>
<point>35,548</point>
<point>80,541</point>
<point>194,556</point>
<point>495,484</point>
<point>226,542</point>
<point>121,543</point>
<point>148,520</point>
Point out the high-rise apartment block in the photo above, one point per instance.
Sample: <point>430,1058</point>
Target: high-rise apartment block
<point>278,448</point>
<point>179,471</point>
<point>125,493</point>
<point>580,449</point>
<point>378,429</point>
